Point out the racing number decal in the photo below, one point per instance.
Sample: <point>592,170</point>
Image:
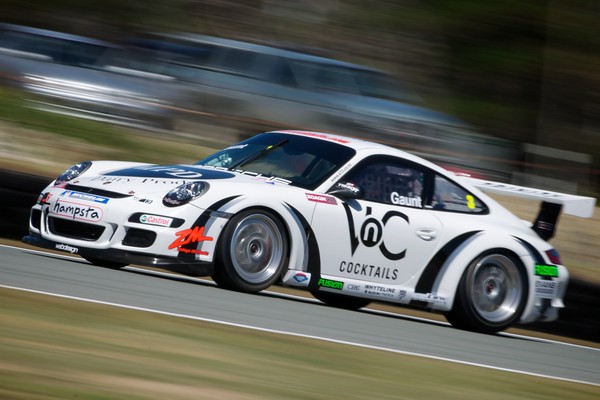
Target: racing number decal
<point>371,232</point>
<point>470,202</point>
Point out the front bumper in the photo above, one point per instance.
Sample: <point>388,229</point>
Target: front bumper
<point>126,229</point>
<point>185,266</point>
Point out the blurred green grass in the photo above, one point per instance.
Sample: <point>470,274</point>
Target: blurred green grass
<point>55,348</point>
<point>47,143</point>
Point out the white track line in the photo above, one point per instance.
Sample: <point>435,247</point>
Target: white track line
<point>294,297</point>
<point>293,334</point>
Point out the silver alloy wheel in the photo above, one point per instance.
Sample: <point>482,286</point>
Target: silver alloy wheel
<point>256,248</point>
<point>495,288</point>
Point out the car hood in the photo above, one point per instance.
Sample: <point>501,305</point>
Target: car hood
<point>155,180</point>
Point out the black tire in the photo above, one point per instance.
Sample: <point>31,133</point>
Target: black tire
<point>340,301</point>
<point>252,251</point>
<point>105,263</point>
<point>491,295</point>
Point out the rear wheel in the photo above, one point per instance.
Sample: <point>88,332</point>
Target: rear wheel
<point>339,301</point>
<point>491,294</point>
<point>105,263</point>
<point>252,251</point>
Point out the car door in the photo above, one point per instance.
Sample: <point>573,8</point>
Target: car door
<point>387,236</point>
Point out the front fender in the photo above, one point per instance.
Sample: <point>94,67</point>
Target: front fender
<point>295,220</point>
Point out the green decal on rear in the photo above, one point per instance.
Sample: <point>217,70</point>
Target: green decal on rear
<point>546,270</point>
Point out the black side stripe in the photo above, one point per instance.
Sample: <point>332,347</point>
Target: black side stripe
<point>305,224</point>
<point>201,221</point>
<point>431,271</point>
<point>314,256</point>
<point>539,259</point>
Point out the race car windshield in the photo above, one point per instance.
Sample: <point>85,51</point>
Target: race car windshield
<point>304,161</point>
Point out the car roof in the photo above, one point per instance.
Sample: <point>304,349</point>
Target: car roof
<point>356,144</point>
<point>372,148</point>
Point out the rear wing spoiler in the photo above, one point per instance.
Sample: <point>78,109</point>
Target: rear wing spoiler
<point>552,203</point>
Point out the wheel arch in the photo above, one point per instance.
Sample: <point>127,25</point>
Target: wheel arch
<point>448,278</point>
<point>292,220</point>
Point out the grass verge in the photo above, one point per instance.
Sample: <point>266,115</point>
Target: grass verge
<point>54,348</point>
<point>44,143</point>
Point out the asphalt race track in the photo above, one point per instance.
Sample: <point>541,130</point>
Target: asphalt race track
<point>71,276</point>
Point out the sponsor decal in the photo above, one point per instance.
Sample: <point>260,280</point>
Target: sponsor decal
<point>108,179</point>
<point>171,172</point>
<point>328,283</point>
<point>353,287</point>
<point>164,181</point>
<point>155,220</point>
<point>264,178</point>
<point>320,198</point>
<point>383,291</point>
<point>429,298</point>
<point>259,177</point>
<point>66,247</point>
<point>547,226</point>
<point>546,289</point>
<point>121,179</point>
<point>348,186</point>
<point>371,232</point>
<point>141,200</point>
<point>401,294</point>
<point>85,196</point>
<point>341,172</point>
<point>368,270</point>
<point>296,278</point>
<point>405,201</point>
<point>300,277</point>
<point>546,270</point>
<point>77,211</point>
<point>44,198</point>
<point>187,236</point>
<point>167,201</point>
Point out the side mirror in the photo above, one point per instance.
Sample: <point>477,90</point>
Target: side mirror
<point>346,190</point>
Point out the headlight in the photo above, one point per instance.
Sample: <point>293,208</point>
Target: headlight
<point>73,172</point>
<point>185,193</point>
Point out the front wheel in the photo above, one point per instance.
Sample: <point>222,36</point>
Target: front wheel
<point>252,251</point>
<point>491,294</point>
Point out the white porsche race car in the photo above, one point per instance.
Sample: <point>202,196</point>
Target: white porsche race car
<point>349,220</point>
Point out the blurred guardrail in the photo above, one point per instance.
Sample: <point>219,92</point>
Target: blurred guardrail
<point>581,320</point>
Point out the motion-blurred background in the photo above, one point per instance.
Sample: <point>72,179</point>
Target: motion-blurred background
<point>507,90</point>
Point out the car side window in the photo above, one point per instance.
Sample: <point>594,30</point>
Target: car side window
<point>389,181</point>
<point>449,196</point>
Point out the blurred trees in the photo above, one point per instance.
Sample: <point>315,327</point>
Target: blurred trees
<point>522,70</point>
